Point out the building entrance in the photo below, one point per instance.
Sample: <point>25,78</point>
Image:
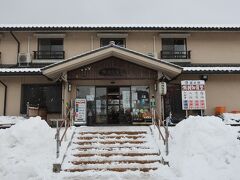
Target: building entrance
<point>107,105</point>
<point>113,105</point>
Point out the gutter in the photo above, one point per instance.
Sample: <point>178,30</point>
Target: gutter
<point>18,42</point>
<point>5,98</point>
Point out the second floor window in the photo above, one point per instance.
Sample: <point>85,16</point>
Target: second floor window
<point>49,49</point>
<point>174,48</point>
<point>118,41</point>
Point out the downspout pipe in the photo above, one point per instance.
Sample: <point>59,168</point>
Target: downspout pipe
<point>18,42</point>
<point>5,98</point>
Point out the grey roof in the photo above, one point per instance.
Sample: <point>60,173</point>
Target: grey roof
<point>112,27</point>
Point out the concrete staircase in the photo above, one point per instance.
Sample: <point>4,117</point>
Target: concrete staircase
<point>112,148</point>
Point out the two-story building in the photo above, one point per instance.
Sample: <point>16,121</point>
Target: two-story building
<point>116,68</point>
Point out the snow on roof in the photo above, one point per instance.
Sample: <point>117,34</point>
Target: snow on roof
<point>185,69</point>
<point>228,69</point>
<point>121,26</point>
<point>19,70</point>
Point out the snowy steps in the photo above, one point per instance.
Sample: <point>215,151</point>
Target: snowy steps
<point>107,149</point>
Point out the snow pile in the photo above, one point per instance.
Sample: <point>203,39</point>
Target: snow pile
<point>204,148</point>
<point>230,118</point>
<point>10,119</point>
<point>27,150</point>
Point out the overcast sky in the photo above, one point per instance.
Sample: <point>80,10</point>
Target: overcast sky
<point>120,12</point>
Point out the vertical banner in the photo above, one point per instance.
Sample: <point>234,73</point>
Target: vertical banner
<point>193,95</point>
<point>126,99</point>
<point>80,111</point>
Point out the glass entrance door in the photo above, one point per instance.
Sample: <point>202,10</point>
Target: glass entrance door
<point>113,105</point>
<point>101,105</point>
<point>125,105</point>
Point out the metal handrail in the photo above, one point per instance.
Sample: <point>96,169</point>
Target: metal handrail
<point>158,122</point>
<point>59,140</point>
<point>175,54</point>
<point>49,54</point>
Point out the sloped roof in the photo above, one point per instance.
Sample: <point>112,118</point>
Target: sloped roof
<point>124,27</point>
<point>54,70</point>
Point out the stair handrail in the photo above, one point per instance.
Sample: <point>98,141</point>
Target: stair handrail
<point>158,122</point>
<point>66,122</point>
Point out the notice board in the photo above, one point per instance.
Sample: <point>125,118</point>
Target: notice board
<point>193,95</point>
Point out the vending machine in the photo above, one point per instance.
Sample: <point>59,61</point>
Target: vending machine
<point>80,112</point>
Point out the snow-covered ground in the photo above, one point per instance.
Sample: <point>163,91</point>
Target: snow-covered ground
<point>10,119</point>
<point>231,118</point>
<point>200,148</point>
<point>27,150</point>
<point>204,148</point>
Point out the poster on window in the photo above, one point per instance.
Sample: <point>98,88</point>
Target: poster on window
<point>80,111</point>
<point>126,99</point>
<point>193,95</point>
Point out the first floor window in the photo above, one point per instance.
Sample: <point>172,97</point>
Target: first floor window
<point>42,95</point>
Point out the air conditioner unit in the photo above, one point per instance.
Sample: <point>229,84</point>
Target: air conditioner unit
<point>24,59</point>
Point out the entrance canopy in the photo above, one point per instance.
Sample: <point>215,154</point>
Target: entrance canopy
<point>53,71</point>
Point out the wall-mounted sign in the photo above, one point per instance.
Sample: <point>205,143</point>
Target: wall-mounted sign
<point>162,87</point>
<point>80,111</point>
<point>193,95</point>
<point>112,72</point>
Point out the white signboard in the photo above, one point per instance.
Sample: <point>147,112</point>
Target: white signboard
<point>80,111</point>
<point>162,86</point>
<point>193,95</point>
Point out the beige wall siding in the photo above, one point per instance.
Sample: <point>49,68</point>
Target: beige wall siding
<point>214,47</point>
<point>8,46</point>
<point>206,47</point>
<point>221,90</point>
<point>77,43</point>
<point>143,42</point>
<point>14,85</point>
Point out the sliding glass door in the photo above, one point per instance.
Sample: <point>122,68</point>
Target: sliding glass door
<point>101,105</point>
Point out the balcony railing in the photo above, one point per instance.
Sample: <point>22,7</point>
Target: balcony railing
<point>175,54</point>
<point>49,54</point>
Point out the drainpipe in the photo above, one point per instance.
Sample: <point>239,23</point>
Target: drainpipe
<point>154,46</point>
<point>18,43</point>
<point>5,98</point>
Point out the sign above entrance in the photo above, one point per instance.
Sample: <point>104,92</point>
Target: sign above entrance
<point>193,95</point>
<point>112,68</point>
<point>112,72</point>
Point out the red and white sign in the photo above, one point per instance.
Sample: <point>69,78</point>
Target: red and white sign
<point>80,111</point>
<point>193,95</point>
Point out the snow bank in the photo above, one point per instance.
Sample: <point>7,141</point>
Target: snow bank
<point>230,118</point>
<point>27,150</point>
<point>10,119</point>
<point>204,148</point>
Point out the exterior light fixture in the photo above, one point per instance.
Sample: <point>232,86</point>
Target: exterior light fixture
<point>69,87</point>
<point>204,77</point>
